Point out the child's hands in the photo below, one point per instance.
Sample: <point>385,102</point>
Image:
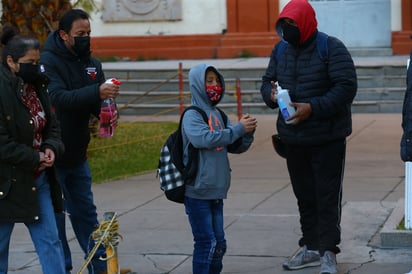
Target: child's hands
<point>248,122</point>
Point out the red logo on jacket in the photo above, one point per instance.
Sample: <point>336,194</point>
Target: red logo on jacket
<point>91,71</point>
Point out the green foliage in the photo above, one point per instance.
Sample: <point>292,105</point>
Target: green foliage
<point>401,225</point>
<point>108,58</point>
<point>134,149</point>
<point>88,5</point>
<point>140,58</point>
<point>245,54</point>
<point>150,58</point>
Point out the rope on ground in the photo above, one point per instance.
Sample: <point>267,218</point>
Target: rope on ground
<point>106,234</point>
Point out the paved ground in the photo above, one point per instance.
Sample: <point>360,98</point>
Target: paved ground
<point>261,217</point>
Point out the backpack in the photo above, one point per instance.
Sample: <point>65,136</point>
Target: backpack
<point>322,46</point>
<point>171,171</point>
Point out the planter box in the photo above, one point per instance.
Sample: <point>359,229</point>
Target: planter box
<point>392,237</point>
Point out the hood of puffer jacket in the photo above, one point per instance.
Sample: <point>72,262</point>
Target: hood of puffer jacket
<point>303,14</point>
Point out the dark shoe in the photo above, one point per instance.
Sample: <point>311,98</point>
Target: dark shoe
<point>302,258</point>
<point>328,263</point>
<point>122,271</point>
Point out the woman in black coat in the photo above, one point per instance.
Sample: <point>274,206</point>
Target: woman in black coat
<point>29,144</point>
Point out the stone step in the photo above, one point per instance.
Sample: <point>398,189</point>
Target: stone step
<point>155,87</point>
<point>367,100</point>
<point>390,235</point>
<point>370,51</point>
<point>383,106</point>
<point>131,74</point>
<point>248,83</point>
<point>138,75</point>
<point>378,94</point>
<point>363,94</point>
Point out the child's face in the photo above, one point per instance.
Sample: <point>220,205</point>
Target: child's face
<point>213,86</point>
<point>212,78</point>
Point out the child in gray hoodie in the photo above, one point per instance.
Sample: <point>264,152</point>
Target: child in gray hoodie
<point>204,197</point>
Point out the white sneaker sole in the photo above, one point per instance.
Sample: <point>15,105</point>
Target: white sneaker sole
<point>311,264</point>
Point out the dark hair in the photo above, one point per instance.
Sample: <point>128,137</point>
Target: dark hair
<point>66,22</point>
<point>16,45</point>
<point>210,68</point>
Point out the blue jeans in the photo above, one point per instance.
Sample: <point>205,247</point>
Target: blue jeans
<point>76,184</point>
<point>206,220</point>
<point>43,234</point>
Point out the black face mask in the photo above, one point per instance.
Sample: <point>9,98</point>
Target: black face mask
<point>291,34</point>
<point>28,72</point>
<point>82,45</point>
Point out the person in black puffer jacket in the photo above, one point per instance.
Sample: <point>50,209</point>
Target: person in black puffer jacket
<point>322,92</point>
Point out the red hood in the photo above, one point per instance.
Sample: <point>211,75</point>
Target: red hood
<point>303,14</point>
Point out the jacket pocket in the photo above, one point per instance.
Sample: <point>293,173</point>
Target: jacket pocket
<point>5,186</point>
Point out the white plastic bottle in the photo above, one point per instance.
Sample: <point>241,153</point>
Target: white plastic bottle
<point>283,102</point>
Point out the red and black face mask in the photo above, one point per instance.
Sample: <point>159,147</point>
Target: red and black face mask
<point>214,92</point>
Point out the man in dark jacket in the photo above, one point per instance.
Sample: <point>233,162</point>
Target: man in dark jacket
<point>76,89</point>
<point>322,92</point>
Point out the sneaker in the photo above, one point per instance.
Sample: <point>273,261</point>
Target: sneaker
<point>328,263</point>
<point>302,258</point>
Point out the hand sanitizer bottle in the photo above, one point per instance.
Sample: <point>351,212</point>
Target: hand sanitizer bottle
<point>283,101</point>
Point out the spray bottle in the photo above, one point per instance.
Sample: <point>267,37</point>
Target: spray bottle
<point>284,104</point>
<point>108,112</point>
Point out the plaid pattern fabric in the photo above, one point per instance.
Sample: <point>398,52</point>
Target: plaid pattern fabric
<point>170,177</point>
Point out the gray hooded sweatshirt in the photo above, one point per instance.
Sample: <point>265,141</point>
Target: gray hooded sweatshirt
<point>212,139</point>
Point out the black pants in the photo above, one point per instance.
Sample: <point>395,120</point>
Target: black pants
<point>316,173</point>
